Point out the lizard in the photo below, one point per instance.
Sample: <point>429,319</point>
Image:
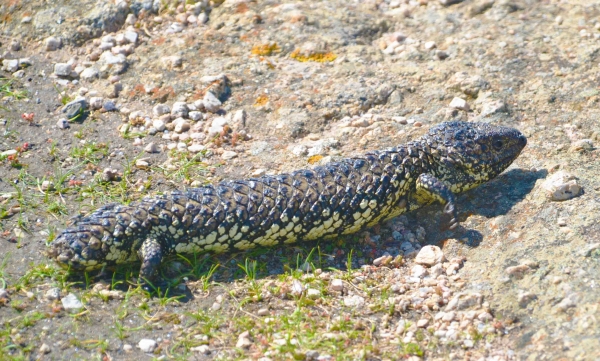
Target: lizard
<point>327,201</point>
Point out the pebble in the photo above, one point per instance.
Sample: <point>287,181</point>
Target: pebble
<point>429,256</point>
<point>159,125</point>
<point>44,349</point>
<point>62,69</point>
<point>3,294</point>
<point>582,145</point>
<point>140,163</point>
<point>263,311</point>
<point>6,153</point>
<point>244,340</point>
<point>109,106</point>
<point>96,103</point>
<point>71,303</point>
<point>196,148</point>
<point>181,125</point>
<point>172,61</point>
<point>196,115</point>
<point>422,323</point>
<point>160,109</point>
<point>565,304</point>
<point>418,271</point>
<point>312,293</point>
<point>75,108</point>
<point>228,154</point>
<point>151,148</point>
<point>89,74</point>
<point>131,36</point>
<point>127,348</point>
<point>52,43</point>
<point>354,301</point>
<point>109,174</point>
<point>492,107</point>
<point>211,102</point>
<point>562,186</point>
<point>525,298</point>
<point>181,146</point>
<point>485,317</point>
<point>459,103</point>
<point>147,345</point>
<point>240,117</point>
<point>204,349</point>
<point>62,124</point>
<point>180,109</point>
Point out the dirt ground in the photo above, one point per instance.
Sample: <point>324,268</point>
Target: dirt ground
<point>109,101</point>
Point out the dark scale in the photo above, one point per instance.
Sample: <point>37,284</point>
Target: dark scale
<point>451,158</point>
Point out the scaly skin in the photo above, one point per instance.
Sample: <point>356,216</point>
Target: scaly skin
<point>325,202</point>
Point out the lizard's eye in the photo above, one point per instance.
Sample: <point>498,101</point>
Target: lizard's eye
<point>497,144</point>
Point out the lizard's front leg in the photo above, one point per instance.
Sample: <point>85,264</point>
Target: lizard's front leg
<point>151,254</point>
<point>429,188</point>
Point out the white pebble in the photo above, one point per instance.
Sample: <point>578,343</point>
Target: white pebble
<point>52,43</point>
<point>429,256</point>
<point>62,124</point>
<point>459,103</point>
<point>147,345</point>
<point>159,125</point>
<point>418,271</point>
<point>89,74</point>
<point>62,69</point>
<point>196,115</point>
<point>151,148</point>
<point>71,303</point>
<point>228,154</point>
<point>195,148</point>
<point>180,109</point>
<point>96,103</point>
<point>562,186</point>
<point>211,102</point>
<point>181,125</point>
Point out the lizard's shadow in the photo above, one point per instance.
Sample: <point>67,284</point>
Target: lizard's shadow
<point>490,200</point>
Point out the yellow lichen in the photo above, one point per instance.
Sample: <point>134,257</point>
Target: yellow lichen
<point>320,57</point>
<point>314,159</point>
<point>261,100</point>
<point>265,49</point>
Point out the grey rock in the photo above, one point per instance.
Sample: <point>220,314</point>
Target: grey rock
<point>180,109</point>
<point>62,69</point>
<point>71,303</point>
<point>75,108</point>
<point>62,123</point>
<point>89,74</point>
<point>52,43</point>
<point>211,102</point>
<point>52,294</point>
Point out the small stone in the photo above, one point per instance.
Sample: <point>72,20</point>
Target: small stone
<point>244,340</point>
<point>52,294</point>
<point>131,36</point>
<point>74,109</point>
<point>181,125</point>
<point>354,301</point>
<point>582,145</point>
<point>360,123</point>
<point>562,186</point>
<point>517,272</point>
<point>151,148</point>
<point>131,19</point>
<point>109,174</point>
<point>383,260</point>
<point>262,311</point>
<point>449,316</point>
<point>173,61</point>
<point>181,146</point>
<point>459,103</point>
<point>62,69</point>
<point>44,349</point>
<point>3,294</point>
<point>204,349</point>
<point>312,293</point>
<point>180,109</point>
<point>196,115</point>
<point>10,65</point>
<point>147,345</point>
<point>62,124</point>
<point>311,355</point>
<point>492,107</point>
<point>449,2</point>
<point>109,106</point>
<point>485,317</point>
<point>47,185</point>
<point>430,45</point>
<point>159,125</point>
<point>71,303</point>
<point>468,343</point>
<point>52,43</point>
<point>418,271</point>
<point>565,304</point>
<point>160,109</point>
<point>337,285</point>
<point>525,298</point>
<point>211,102</point>
<point>228,154</point>
<point>429,256</point>
<point>142,164</point>
<point>422,323</point>
<point>196,148</point>
<point>239,118</point>
<point>89,74</point>
<point>127,348</point>
<point>96,103</point>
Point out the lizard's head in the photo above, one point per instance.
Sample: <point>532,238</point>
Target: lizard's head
<point>469,154</point>
<point>77,249</point>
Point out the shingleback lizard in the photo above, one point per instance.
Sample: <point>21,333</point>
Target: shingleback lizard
<point>324,202</point>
